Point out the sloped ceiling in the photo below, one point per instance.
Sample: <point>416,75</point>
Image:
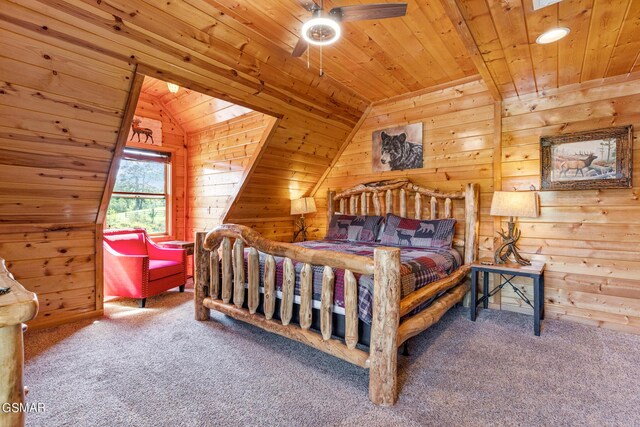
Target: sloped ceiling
<point>604,41</point>
<point>192,110</point>
<point>377,59</point>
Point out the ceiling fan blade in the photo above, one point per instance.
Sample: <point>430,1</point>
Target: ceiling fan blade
<point>300,48</point>
<point>362,12</point>
<point>310,5</point>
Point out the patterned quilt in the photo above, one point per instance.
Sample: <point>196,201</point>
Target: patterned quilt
<point>419,267</point>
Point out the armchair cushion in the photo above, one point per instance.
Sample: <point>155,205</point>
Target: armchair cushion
<point>159,269</point>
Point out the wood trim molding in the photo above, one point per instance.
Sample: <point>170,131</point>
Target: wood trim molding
<point>430,89</point>
<point>588,84</point>
<point>269,130</point>
<point>343,147</point>
<point>123,133</point>
<point>455,15</point>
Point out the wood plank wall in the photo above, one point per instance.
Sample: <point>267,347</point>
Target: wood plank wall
<point>295,158</point>
<point>60,109</point>
<point>218,155</point>
<point>173,140</point>
<point>66,68</point>
<point>458,141</point>
<point>589,239</point>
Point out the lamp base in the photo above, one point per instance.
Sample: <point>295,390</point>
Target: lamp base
<point>509,246</point>
<point>302,229</point>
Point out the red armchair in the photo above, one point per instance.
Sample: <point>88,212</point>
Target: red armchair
<point>135,267</point>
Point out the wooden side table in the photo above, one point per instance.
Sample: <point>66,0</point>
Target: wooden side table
<point>534,271</point>
<point>179,244</point>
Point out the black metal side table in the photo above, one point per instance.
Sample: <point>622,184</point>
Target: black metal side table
<point>507,273</point>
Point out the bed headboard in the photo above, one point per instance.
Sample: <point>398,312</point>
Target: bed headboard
<point>392,196</point>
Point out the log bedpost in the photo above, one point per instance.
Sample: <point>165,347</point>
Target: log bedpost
<point>326,307</point>
<point>214,276</point>
<point>331,206</point>
<point>383,356</point>
<point>16,306</point>
<point>376,203</point>
<point>238,273</point>
<point>389,202</point>
<point>202,277</point>
<point>253,273</point>
<point>227,270</point>
<point>343,206</point>
<point>269,287</point>
<point>434,208</point>
<point>364,204</point>
<point>403,203</point>
<point>448,208</point>
<point>418,203</point>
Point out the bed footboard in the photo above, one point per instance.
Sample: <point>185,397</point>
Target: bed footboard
<point>215,252</point>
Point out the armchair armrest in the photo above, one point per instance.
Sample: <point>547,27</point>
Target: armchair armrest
<point>166,254</point>
<point>122,268</point>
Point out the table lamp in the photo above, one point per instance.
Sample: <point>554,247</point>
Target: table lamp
<point>513,204</point>
<point>300,207</point>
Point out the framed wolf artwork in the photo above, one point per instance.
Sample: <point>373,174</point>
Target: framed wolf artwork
<point>397,148</point>
<point>587,160</point>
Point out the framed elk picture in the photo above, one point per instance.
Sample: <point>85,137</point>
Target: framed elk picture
<point>397,148</point>
<point>146,131</point>
<point>586,160</point>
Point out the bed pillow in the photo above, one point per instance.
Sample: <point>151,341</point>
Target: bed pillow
<point>434,233</point>
<point>354,228</point>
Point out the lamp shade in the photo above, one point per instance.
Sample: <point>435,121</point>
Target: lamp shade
<point>303,206</point>
<point>515,203</point>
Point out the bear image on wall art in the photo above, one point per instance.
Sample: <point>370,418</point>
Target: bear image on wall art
<point>397,148</point>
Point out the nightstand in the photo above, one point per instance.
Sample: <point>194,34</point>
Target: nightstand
<point>507,273</point>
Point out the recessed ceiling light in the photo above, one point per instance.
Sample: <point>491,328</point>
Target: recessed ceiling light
<point>321,31</point>
<point>173,88</point>
<point>553,35</point>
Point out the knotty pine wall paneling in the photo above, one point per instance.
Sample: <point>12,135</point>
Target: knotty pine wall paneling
<point>458,140</point>
<point>61,106</point>
<point>66,68</point>
<point>218,156</point>
<point>174,141</point>
<point>590,239</point>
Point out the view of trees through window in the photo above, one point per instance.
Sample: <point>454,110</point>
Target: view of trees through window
<point>140,197</point>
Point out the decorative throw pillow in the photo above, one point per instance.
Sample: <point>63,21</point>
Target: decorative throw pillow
<point>434,233</point>
<point>354,228</point>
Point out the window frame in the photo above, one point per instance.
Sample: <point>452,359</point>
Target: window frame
<point>136,153</point>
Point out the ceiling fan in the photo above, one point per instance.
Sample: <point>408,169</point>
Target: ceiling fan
<point>324,28</point>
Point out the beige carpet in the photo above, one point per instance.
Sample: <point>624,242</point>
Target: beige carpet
<point>159,367</point>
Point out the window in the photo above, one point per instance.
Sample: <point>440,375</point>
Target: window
<point>141,196</point>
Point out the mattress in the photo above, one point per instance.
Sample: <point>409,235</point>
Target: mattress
<point>419,267</point>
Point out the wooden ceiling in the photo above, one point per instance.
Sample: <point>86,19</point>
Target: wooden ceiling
<point>192,110</point>
<point>377,59</point>
<point>604,41</point>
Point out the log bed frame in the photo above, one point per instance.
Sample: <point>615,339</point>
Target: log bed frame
<point>215,250</point>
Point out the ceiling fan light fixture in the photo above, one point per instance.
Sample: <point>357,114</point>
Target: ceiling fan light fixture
<point>321,31</point>
<point>173,88</point>
<point>552,35</point>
